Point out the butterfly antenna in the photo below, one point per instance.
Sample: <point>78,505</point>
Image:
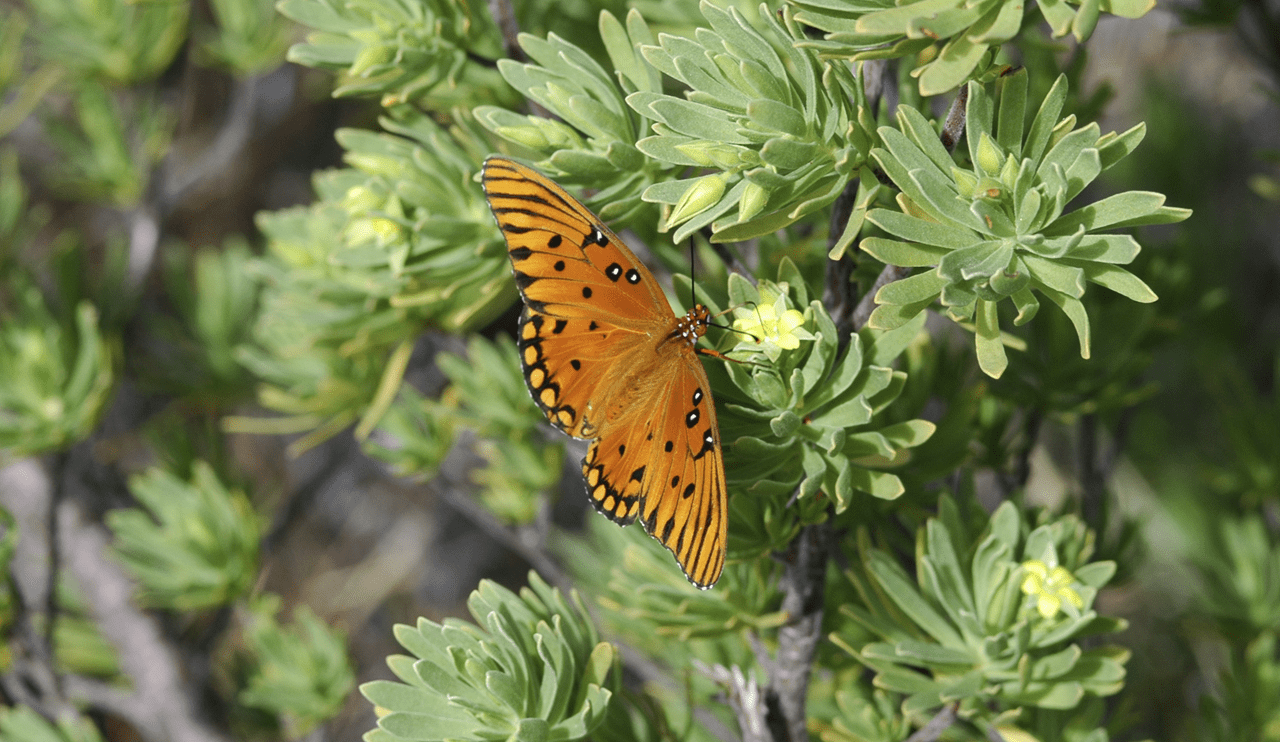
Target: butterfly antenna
<point>693,280</point>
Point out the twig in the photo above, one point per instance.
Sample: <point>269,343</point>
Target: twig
<point>953,128</point>
<point>57,490</point>
<point>803,593</point>
<point>887,276</point>
<point>937,725</point>
<point>744,697</point>
<point>1093,479</point>
<point>504,15</point>
<point>507,537</point>
<point>726,255</point>
<point>31,679</point>
<point>840,294</point>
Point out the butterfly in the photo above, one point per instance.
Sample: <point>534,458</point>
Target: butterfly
<point>608,361</point>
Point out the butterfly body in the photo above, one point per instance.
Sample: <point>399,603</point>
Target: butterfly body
<point>606,359</point>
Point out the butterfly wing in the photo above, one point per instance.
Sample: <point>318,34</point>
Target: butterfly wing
<point>589,300</point>
<point>663,464</point>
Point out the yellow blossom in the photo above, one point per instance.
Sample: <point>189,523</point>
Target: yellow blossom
<point>772,325</point>
<point>1051,586</point>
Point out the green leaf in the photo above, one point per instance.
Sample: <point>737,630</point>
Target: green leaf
<point>905,595</point>
<point>991,357</point>
<point>1120,281</point>
<point>920,231</point>
<point>916,288</point>
<point>1128,209</point>
<point>956,62</point>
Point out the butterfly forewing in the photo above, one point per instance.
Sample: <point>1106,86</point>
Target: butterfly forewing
<point>606,359</point>
<point>566,262</point>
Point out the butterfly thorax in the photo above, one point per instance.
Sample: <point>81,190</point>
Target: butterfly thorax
<point>691,326</point>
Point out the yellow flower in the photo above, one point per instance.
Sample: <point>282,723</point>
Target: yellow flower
<point>773,326</point>
<point>1051,587</point>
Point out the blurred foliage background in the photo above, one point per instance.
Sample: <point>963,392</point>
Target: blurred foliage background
<point>264,434</point>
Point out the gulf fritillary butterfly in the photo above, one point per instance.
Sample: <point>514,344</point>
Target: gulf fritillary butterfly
<point>607,360</point>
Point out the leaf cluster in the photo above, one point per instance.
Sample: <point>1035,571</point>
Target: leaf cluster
<point>531,667</point>
<point>59,374</point>
<point>192,545</point>
<point>971,629</point>
<point>1000,229</point>
<point>951,41</point>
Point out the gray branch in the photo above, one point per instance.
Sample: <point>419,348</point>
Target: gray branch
<point>162,705</point>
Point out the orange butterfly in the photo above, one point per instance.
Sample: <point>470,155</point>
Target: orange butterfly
<point>607,360</point>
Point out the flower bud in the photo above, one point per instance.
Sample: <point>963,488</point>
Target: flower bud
<point>702,195</point>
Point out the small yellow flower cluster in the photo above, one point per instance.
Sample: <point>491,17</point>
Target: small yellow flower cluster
<point>1051,587</point>
<point>775,327</point>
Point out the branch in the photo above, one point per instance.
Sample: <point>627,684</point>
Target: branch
<point>31,680</point>
<point>162,705</point>
<point>336,453</point>
<point>803,594</point>
<point>937,725</point>
<point>953,128</point>
<point>1093,480</point>
<point>840,294</point>
<point>744,697</point>
<point>867,305</point>
<point>504,15</point>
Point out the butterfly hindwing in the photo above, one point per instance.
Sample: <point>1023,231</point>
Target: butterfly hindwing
<point>663,465</point>
<point>564,361</point>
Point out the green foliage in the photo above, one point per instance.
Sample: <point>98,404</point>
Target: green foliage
<point>216,302</point>
<point>414,435</point>
<point>110,151</point>
<point>1245,706</point>
<point>58,376</point>
<point>951,40</point>
<point>593,138</point>
<point>815,405</point>
<point>648,605</point>
<point>977,627</point>
<point>196,543</point>
<point>785,132</point>
<point>250,38</point>
<point>866,715</point>
<point>998,230</point>
<point>399,242</point>
<point>532,669</point>
<point>712,118</point>
<point>402,51</point>
<point>493,400</point>
<point>17,222</point>
<point>1241,577</point>
<point>79,646</point>
<point>114,41</point>
<point>22,724</point>
<point>299,674</point>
